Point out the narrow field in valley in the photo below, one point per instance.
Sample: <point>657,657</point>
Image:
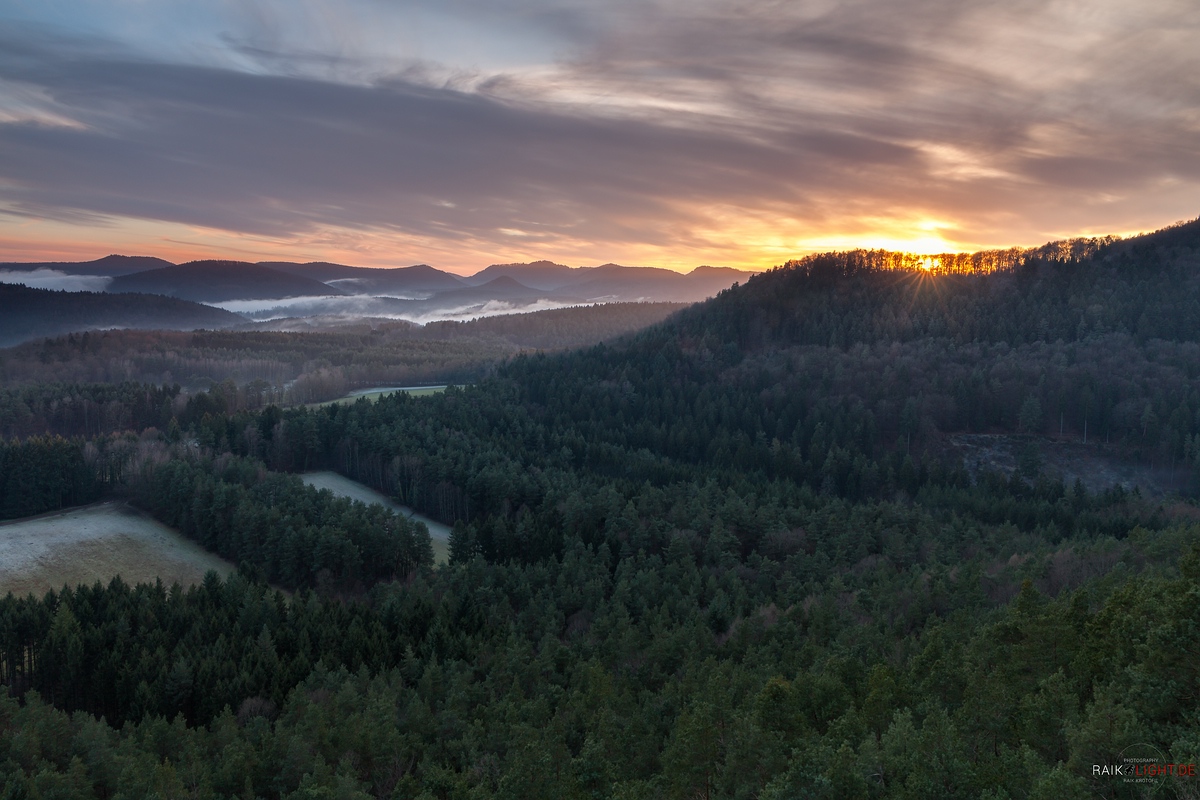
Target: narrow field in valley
<point>344,487</point>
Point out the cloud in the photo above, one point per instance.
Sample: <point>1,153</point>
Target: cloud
<point>703,127</point>
<point>251,153</point>
<point>55,279</point>
<point>351,305</point>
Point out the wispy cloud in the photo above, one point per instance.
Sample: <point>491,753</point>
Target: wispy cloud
<point>703,131</point>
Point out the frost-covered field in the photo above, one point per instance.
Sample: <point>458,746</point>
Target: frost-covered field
<point>97,542</point>
<point>378,392</point>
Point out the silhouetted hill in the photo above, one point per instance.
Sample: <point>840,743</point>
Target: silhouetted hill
<point>219,281</point>
<point>614,282</point>
<point>111,266</point>
<point>1147,286</point>
<point>1180,235</point>
<point>616,279</point>
<point>545,275</point>
<point>313,270</point>
<point>617,282</point>
<point>420,279</point>
<point>32,313</point>
<point>503,288</point>
<point>215,281</point>
<point>719,277</point>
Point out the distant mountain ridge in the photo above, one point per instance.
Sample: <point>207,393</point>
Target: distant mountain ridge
<point>616,282</point>
<point>422,288</point>
<point>221,281</point>
<point>545,275</point>
<point>503,288</point>
<point>419,279</point>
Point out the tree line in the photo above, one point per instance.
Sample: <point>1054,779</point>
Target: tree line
<point>291,534</point>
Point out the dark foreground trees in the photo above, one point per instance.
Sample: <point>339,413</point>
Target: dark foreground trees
<point>571,680</point>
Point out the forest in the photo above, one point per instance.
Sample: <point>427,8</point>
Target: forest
<point>26,312</point>
<point>93,379</point>
<point>731,555</point>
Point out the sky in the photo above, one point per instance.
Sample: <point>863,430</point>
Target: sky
<point>672,133</point>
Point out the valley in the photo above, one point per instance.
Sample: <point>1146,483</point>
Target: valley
<point>288,296</point>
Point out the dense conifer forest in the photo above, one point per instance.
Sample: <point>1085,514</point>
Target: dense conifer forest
<point>731,556</point>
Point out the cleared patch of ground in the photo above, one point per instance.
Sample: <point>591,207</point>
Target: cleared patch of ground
<point>1093,464</point>
<point>344,487</point>
<point>97,543</point>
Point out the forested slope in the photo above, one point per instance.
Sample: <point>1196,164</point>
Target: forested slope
<point>30,313</point>
<point>276,366</point>
<point>219,281</point>
<point>725,557</point>
<point>1142,287</point>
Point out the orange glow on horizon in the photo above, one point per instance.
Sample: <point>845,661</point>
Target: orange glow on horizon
<point>731,238</point>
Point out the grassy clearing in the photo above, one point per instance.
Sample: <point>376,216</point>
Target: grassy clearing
<point>344,487</point>
<point>96,543</point>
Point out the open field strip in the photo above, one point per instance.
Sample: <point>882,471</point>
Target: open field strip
<point>344,487</point>
<point>97,543</point>
<point>379,391</point>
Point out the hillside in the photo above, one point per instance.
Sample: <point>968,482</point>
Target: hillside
<point>414,281</point>
<point>1099,350</point>
<point>501,288</point>
<point>71,386</point>
<point>220,281</point>
<point>545,275</point>
<point>614,282</point>
<point>650,284</point>
<point>32,313</point>
<point>558,328</point>
<point>1145,287</point>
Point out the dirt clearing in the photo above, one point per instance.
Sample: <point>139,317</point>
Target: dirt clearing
<point>1095,465</point>
<point>96,543</point>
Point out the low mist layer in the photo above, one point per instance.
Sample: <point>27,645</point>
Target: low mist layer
<point>57,280</point>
